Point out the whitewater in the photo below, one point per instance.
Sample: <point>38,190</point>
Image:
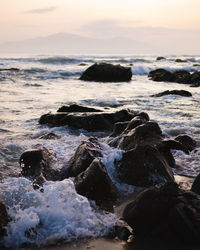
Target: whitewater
<point>35,85</point>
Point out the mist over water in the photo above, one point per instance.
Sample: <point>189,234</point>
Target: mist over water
<point>40,84</point>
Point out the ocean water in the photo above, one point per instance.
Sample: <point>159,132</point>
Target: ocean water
<point>44,83</point>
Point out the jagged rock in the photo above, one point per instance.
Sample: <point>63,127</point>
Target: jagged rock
<point>196,185</point>
<point>165,211</point>
<point>144,166</point>
<point>38,163</point>
<point>77,108</point>
<point>174,92</point>
<point>159,58</point>
<point>90,122</point>
<point>95,184</point>
<point>186,141</point>
<point>104,72</point>
<point>4,218</point>
<point>145,132</point>
<point>83,157</point>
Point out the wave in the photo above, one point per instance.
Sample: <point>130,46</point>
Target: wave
<point>144,70</point>
<point>57,213</point>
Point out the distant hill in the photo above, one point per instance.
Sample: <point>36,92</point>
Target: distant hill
<point>76,44</point>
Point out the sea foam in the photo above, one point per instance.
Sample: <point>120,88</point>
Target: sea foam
<point>57,213</point>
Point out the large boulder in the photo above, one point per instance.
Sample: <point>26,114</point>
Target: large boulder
<point>86,152</point>
<point>95,184</point>
<point>188,142</point>
<point>174,92</point>
<point>38,163</point>
<point>166,211</point>
<point>4,218</point>
<point>103,121</point>
<point>144,166</point>
<point>104,72</point>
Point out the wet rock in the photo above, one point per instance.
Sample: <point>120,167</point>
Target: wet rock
<point>104,72</point>
<point>165,211</point>
<point>159,58</point>
<point>143,166</point>
<point>83,157</point>
<point>77,108</point>
<point>160,75</point>
<point>10,69</point>
<point>38,163</point>
<point>186,141</point>
<point>174,92</point>
<point>4,218</point>
<point>180,76</point>
<point>95,184</point>
<point>49,136</point>
<point>178,60</point>
<point>90,122</point>
<point>149,132</point>
<point>196,185</point>
<point>147,211</point>
<point>118,128</point>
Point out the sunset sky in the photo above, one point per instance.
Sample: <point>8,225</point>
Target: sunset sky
<point>24,19</point>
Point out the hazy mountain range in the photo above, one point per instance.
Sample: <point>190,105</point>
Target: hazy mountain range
<point>76,44</point>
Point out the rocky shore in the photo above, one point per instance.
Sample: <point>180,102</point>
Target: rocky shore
<point>161,210</point>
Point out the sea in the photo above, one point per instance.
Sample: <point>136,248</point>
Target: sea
<point>39,84</point>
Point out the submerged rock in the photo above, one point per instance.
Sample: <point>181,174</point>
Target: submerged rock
<point>174,92</point>
<point>90,122</point>
<point>178,60</point>
<point>104,72</point>
<point>166,211</point>
<point>49,136</point>
<point>159,58</point>
<point>4,218</point>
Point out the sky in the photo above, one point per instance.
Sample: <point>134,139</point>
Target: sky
<point>152,20</point>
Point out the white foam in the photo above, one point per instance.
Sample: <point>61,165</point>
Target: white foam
<point>57,213</point>
<point>144,70</point>
<point>107,100</point>
<point>110,155</point>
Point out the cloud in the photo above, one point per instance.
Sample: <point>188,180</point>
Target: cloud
<point>41,11</point>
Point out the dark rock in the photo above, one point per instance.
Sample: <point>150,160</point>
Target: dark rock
<point>180,76</point>
<point>186,141</point>
<point>160,75</point>
<point>159,58</point>
<point>38,163</point>
<point>145,132</point>
<point>144,166</point>
<point>174,92</point>
<point>118,128</point>
<point>196,65</point>
<point>4,218</point>
<point>168,210</point>
<point>82,64</point>
<point>77,108</point>
<point>90,122</point>
<point>83,157</point>
<point>10,69</point>
<point>95,184</point>
<point>195,79</point>
<point>178,60</point>
<point>104,72</point>
<point>151,207</point>
<point>49,136</point>
<point>196,185</point>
